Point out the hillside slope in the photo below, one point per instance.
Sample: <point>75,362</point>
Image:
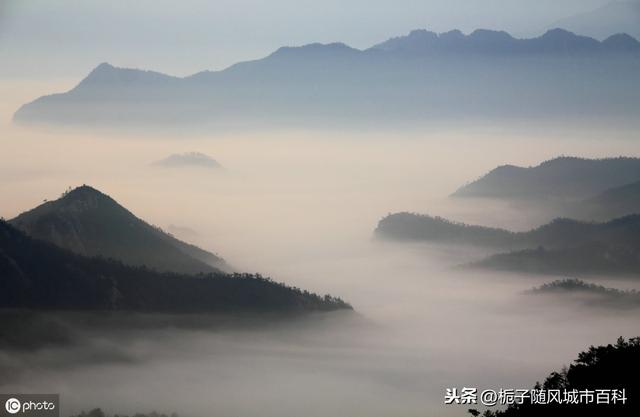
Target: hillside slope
<point>90,223</point>
<point>39,275</point>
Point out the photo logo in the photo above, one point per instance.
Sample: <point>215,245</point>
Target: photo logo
<point>30,405</point>
<point>12,405</point>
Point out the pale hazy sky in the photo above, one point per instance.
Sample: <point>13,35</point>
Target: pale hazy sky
<point>67,38</point>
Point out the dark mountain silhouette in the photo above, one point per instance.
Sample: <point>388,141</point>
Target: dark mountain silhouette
<point>562,246</point>
<point>566,178</point>
<point>589,294</point>
<point>35,274</point>
<point>612,18</point>
<point>415,78</point>
<point>90,223</point>
<point>612,366</point>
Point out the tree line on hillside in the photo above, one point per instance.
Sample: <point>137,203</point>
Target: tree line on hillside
<point>38,275</point>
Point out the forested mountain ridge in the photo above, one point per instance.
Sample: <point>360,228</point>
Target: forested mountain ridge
<point>562,246</point>
<point>419,227</point>
<point>614,366</point>
<point>561,232</point>
<point>39,275</point>
<point>590,294</point>
<point>593,258</point>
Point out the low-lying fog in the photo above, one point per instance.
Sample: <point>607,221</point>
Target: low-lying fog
<point>301,206</point>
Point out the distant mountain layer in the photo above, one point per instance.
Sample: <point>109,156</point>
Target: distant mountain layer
<point>590,294</point>
<point>91,223</point>
<point>612,18</point>
<point>420,77</point>
<point>561,178</point>
<point>482,41</point>
<point>39,275</point>
<point>189,159</point>
<point>614,202</point>
<point>559,233</point>
<point>586,259</point>
<point>418,227</point>
<point>562,246</point>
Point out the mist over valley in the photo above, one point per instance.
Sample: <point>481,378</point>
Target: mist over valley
<point>323,230</point>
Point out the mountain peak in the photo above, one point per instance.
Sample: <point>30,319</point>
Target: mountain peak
<point>103,71</point>
<point>315,49</point>
<point>452,34</point>
<point>106,75</point>
<point>491,35</point>
<point>85,198</point>
<point>621,42</point>
<point>558,33</point>
<point>416,39</point>
<point>565,40</point>
<point>422,33</point>
<point>90,223</point>
<point>104,66</point>
<point>83,191</point>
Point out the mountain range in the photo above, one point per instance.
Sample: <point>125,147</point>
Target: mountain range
<point>561,246</point>
<point>90,223</point>
<point>416,78</point>
<point>559,233</point>
<point>587,189</point>
<point>563,177</point>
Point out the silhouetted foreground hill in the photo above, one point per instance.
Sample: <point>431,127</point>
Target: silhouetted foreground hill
<point>562,246</point>
<point>610,367</point>
<point>416,78</point>
<point>38,275</point>
<point>589,294</point>
<point>91,223</point>
<point>560,178</point>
